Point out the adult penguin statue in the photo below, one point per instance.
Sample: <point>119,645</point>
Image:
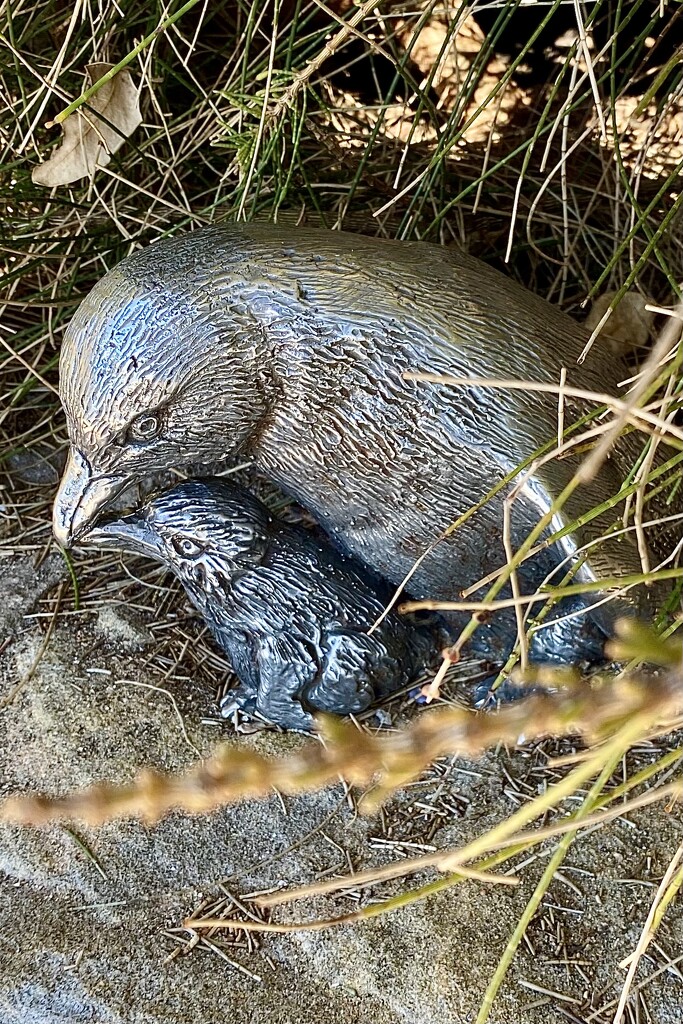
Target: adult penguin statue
<point>288,346</point>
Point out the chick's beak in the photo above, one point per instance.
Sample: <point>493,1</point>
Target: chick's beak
<point>80,497</point>
<point>131,533</point>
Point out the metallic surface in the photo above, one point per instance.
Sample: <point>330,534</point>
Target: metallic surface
<point>288,346</point>
<point>291,613</point>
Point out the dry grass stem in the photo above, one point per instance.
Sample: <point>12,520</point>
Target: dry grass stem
<point>232,773</point>
<point>672,874</point>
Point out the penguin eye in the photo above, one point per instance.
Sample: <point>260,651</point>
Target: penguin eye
<point>144,428</point>
<point>187,548</point>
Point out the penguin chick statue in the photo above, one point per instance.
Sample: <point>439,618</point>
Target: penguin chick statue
<point>290,347</point>
<point>291,613</point>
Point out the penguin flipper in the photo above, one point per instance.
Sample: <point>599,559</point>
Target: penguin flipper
<point>286,667</point>
<point>356,670</point>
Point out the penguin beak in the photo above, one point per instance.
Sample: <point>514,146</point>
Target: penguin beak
<point>80,497</point>
<point>131,533</point>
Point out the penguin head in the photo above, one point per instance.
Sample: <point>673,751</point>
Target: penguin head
<point>205,531</point>
<point>154,374</point>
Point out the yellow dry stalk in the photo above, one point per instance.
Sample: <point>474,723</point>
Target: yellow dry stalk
<point>593,710</point>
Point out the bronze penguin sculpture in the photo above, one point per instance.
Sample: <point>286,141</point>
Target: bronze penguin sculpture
<point>289,347</point>
<point>291,613</point>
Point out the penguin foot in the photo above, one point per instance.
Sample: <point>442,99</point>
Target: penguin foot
<point>242,699</point>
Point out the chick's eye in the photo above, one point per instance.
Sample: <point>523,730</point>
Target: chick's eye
<point>144,428</point>
<point>187,548</point>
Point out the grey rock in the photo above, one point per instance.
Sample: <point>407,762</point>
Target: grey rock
<point>86,914</point>
<point>23,585</point>
<point>121,628</point>
<point>39,464</point>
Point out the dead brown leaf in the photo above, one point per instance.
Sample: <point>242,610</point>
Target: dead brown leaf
<point>88,141</point>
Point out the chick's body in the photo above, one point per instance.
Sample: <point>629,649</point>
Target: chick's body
<point>291,613</point>
<point>290,347</point>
